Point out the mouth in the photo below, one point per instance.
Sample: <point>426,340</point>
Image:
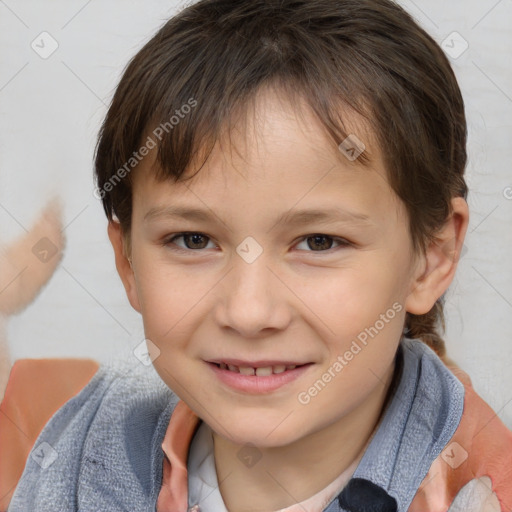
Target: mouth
<point>257,377</point>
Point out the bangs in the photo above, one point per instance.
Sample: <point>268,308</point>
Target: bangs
<point>186,141</point>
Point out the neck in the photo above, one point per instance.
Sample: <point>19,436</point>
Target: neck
<point>286,475</point>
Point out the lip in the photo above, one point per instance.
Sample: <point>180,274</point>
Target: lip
<point>254,384</point>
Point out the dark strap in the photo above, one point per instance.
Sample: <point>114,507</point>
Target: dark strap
<point>361,495</point>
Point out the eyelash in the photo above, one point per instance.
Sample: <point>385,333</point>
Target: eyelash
<point>169,242</point>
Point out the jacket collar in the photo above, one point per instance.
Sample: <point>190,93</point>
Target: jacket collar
<point>424,410</point>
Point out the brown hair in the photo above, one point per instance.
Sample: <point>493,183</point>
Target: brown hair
<point>368,55</point>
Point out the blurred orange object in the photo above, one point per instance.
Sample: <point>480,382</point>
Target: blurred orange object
<point>36,389</point>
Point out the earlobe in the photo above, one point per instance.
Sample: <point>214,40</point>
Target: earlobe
<point>123,264</point>
<point>440,261</point>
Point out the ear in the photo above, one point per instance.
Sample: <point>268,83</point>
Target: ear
<point>437,267</point>
<point>123,265</point>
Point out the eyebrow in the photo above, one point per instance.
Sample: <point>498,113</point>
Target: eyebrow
<point>301,217</point>
<point>298,217</point>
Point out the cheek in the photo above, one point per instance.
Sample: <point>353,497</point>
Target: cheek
<point>355,299</point>
<point>168,297</point>
<point>364,314</point>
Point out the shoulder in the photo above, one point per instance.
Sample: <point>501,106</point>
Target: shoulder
<point>119,406</point>
<point>36,389</point>
<point>117,390</point>
<point>475,466</point>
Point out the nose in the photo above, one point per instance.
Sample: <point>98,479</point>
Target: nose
<point>254,299</point>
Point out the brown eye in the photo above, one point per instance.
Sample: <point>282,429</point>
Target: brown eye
<point>320,242</point>
<point>191,241</point>
<point>195,241</point>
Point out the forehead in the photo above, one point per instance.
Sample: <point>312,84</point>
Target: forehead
<point>278,153</point>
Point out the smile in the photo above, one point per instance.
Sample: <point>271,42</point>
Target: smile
<point>257,378</point>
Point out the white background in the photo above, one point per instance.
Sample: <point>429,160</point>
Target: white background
<point>50,113</point>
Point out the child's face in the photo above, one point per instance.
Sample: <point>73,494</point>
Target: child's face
<point>218,299</point>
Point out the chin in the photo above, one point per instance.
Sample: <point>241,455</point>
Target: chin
<point>258,429</point>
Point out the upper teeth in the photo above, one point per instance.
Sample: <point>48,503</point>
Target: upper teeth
<point>262,371</point>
